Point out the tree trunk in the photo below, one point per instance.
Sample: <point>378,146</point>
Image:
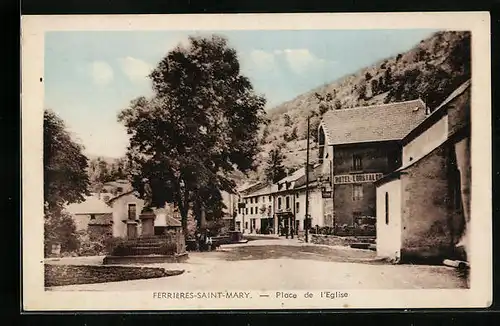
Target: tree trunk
<point>183,210</point>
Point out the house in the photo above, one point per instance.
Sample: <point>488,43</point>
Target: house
<point>275,208</point>
<point>126,208</point>
<point>423,207</point>
<point>357,147</point>
<point>255,208</point>
<point>92,215</point>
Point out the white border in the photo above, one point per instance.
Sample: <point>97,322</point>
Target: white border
<point>33,29</point>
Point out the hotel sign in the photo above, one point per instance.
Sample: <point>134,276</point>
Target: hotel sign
<point>357,178</point>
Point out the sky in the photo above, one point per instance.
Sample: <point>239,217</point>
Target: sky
<point>90,76</point>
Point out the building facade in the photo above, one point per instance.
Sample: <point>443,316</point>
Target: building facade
<point>93,216</point>
<point>356,148</point>
<point>423,207</point>
<point>280,208</point>
<point>126,209</point>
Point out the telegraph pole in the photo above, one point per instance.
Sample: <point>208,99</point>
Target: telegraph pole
<point>306,220</point>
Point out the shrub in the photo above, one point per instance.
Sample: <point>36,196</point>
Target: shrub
<point>60,228</point>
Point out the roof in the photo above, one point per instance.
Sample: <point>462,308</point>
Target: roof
<point>381,122</point>
<point>124,184</point>
<point>436,113</point>
<point>121,195</point>
<point>462,88</point>
<point>106,219</point>
<point>397,172</point>
<point>90,205</point>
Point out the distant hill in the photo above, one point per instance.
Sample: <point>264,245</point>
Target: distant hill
<point>431,71</point>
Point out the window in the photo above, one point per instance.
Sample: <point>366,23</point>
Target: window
<point>386,208</point>
<point>256,199</point>
<point>92,217</point>
<point>251,210</point>
<point>269,198</point>
<point>297,195</point>
<point>287,202</point>
<point>356,163</point>
<point>251,200</point>
<point>357,192</point>
<point>246,225</point>
<point>269,209</point>
<point>131,211</point>
<point>297,207</point>
<point>246,211</point>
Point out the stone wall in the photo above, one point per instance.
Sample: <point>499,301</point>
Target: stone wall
<point>332,240</point>
<point>56,275</point>
<point>426,227</point>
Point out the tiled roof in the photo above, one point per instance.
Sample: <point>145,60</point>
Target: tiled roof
<point>91,205</point>
<point>372,123</point>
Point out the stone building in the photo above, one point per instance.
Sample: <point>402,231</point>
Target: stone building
<point>357,147</point>
<point>92,215</point>
<point>423,207</point>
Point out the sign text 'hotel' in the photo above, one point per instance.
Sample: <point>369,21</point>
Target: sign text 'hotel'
<point>357,178</point>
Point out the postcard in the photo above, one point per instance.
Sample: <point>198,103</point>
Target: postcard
<point>256,161</point>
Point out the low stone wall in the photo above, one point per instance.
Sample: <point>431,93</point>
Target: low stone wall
<point>57,275</point>
<point>333,240</point>
<point>145,259</point>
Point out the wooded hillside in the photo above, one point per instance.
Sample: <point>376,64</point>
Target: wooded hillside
<point>430,71</point>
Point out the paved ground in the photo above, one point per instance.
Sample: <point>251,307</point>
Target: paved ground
<point>278,264</point>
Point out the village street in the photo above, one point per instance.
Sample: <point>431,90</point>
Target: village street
<point>271,264</point>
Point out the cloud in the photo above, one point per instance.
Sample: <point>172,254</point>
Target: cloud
<point>101,73</point>
<point>301,60</point>
<point>262,59</point>
<point>135,69</point>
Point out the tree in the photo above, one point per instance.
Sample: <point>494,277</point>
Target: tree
<point>59,227</point>
<point>201,124</point>
<point>275,169</point>
<point>65,181</point>
<point>293,134</point>
<point>374,86</point>
<point>313,127</point>
<point>388,78</point>
<point>361,90</point>
<point>337,105</point>
<point>65,178</point>
<point>287,119</point>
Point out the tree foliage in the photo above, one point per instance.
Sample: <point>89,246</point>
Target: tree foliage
<point>64,164</point>
<point>275,170</point>
<point>200,125</point>
<point>65,182</point>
